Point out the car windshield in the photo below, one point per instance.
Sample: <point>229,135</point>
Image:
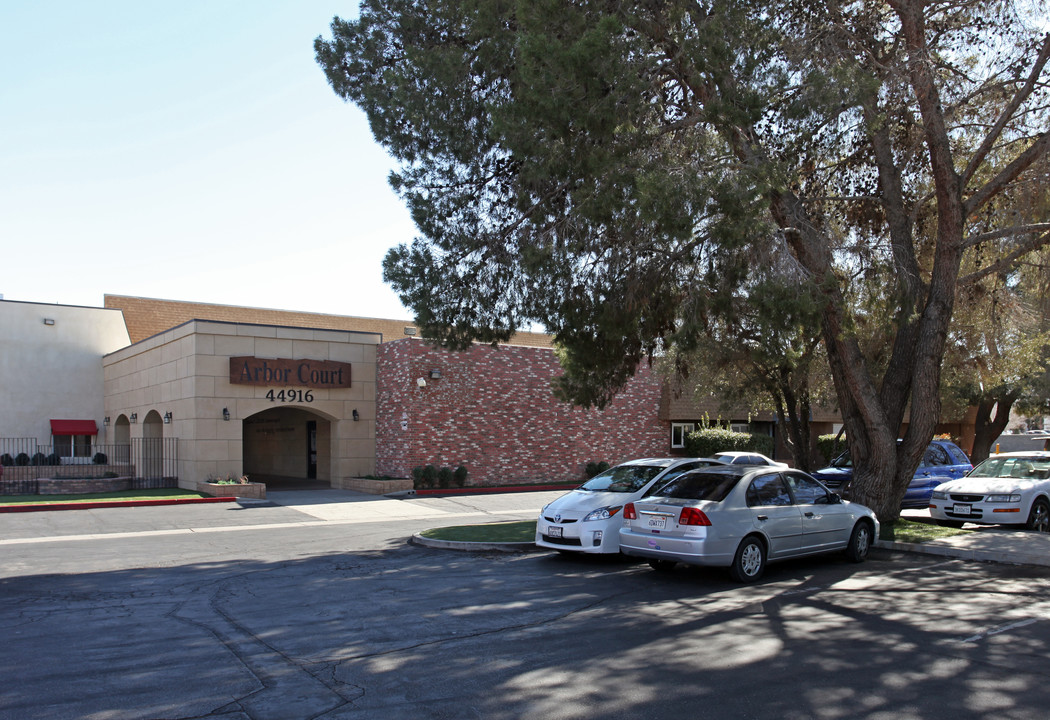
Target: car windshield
<point>700,486</point>
<point>1014,467</point>
<point>842,461</point>
<point>623,478</point>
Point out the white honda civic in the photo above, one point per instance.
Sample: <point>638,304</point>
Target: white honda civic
<point>587,519</point>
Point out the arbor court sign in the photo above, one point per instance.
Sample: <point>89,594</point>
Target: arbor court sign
<point>317,374</point>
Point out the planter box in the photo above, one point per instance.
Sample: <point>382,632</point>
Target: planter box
<point>253,490</point>
<point>375,487</point>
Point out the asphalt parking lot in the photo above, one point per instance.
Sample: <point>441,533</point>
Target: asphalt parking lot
<point>305,607</point>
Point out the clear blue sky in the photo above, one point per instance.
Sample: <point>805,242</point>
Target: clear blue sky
<point>187,151</point>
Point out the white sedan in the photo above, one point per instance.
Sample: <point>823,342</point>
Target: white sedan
<point>587,520</point>
<point>741,457</point>
<point>1007,489</point>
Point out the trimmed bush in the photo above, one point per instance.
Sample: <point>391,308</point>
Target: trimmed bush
<point>54,459</point>
<point>460,476</point>
<point>100,458</point>
<point>430,476</point>
<point>445,477</point>
<point>22,459</point>
<point>7,460</point>
<point>39,459</point>
<point>712,440</point>
<point>417,477</point>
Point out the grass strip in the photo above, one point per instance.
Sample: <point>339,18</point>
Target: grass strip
<point>919,532</point>
<point>519,531</point>
<point>120,495</point>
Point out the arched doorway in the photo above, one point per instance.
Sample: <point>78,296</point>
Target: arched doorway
<point>288,448</point>
<point>152,446</point>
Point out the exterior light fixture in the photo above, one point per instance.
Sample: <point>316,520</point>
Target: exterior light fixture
<point>105,421</point>
<point>167,418</point>
<point>357,415</point>
<point>435,374</point>
<point>49,321</point>
<point>134,417</point>
<point>421,382</point>
<point>225,414</point>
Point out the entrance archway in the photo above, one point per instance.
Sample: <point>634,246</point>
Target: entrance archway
<point>287,448</point>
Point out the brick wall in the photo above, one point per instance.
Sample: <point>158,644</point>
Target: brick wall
<point>493,411</point>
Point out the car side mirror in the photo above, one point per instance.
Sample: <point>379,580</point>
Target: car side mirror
<point>834,499</point>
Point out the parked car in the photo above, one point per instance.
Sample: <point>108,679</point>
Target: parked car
<point>1007,489</point>
<point>942,461</point>
<point>741,517</point>
<point>587,519</point>
<point>739,457</point>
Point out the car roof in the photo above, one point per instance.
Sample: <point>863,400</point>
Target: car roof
<point>1034,454</point>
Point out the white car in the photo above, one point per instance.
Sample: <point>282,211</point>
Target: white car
<point>586,520</point>
<point>1007,489</point>
<point>739,457</point>
<point>740,517</point>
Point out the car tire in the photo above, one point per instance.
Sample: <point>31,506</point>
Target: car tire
<point>662,565</point>
<point>859,542</point>
<point>957,524</point>
<point>1039,517</point>
<point>750,560</point>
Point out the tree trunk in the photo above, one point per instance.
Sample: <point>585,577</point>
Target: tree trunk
<point>987,428</point>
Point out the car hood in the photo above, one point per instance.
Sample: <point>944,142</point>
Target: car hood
<point>583,501</point>
<point>984,485</point>
<point>833,472</point>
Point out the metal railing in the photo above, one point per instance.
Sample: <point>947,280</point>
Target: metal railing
<point>149,462</point>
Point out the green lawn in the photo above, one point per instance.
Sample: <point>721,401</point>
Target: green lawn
<point>919,532</point>
<point>123,495</point>
<point>521,531</point>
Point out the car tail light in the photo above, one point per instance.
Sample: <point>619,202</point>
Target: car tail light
<point>629,512</point>
<point>693,516</point>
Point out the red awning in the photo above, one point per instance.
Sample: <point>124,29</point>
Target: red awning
<point>74,427</point>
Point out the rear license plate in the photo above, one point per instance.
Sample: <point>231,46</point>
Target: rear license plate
<point>554,531</point>
<point>961,509</point>
<point>656,523</point>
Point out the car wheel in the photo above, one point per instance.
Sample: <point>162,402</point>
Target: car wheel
<point>749,561</point>
<point>1039,517</point>
<point>662,565</point>
<point>951,523</point>
<point>859,542</point>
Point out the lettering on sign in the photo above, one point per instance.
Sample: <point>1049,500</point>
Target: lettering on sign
<point>317,374</point>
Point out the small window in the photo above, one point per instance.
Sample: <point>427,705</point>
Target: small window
<point>935,456</point>
<point>768,490</point>
<point>679,431</point>
<point>72,446</point>
<point>958,456</point>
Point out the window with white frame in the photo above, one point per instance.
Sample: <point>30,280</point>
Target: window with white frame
<point>72,446</point>
<point>679,432</point>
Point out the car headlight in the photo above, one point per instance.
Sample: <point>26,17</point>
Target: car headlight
<point>603,513</point>
<point>1002,498</point>
<point>939,495</point>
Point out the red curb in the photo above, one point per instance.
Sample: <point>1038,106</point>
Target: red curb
<point>29,507</point>
<point>509,488</point>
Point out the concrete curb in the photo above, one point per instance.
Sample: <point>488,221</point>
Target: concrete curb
<point>973,554</point>
<point>418,539</point>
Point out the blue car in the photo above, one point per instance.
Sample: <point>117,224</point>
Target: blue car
<point>942,461</point>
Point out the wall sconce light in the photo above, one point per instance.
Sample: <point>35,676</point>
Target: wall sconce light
<point>134,417</point>
<point>167,418</point>
<point>357,415</point>
<point>49,321</point>
<point>225,414</point>
<point>105,421</point>
<point>435,374</point>
<point>421,382</point>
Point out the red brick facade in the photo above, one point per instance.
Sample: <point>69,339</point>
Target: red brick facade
<point>493,411</point>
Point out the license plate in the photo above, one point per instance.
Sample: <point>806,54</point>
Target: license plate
<point>554,531</point>
<point>656,523</point>
<point>961,509</point>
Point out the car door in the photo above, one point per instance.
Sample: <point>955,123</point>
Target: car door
<point>775,514</point>
<point>825,525</point>
<point>932,471</point>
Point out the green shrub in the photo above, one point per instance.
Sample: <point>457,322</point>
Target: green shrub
<point>22,459</point>
<point>712,440</point>
<point>430,476</point>
<point>100,458</point>
<point>596,468</point>
<point>7,460</point>
<point>460,476</point>
<point>39,459</point>
<point>445,477</point>
<point>53,459</point>
<point>830,449</point>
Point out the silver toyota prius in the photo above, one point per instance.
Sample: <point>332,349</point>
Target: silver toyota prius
<point>742,517</point>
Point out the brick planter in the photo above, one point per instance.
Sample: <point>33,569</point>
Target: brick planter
<point>376,487</point>
<point>254,490</point>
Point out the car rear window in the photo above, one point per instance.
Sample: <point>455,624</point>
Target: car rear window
<point>699,486</point>
<point>1014,467</point>
<point>623,478</point>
